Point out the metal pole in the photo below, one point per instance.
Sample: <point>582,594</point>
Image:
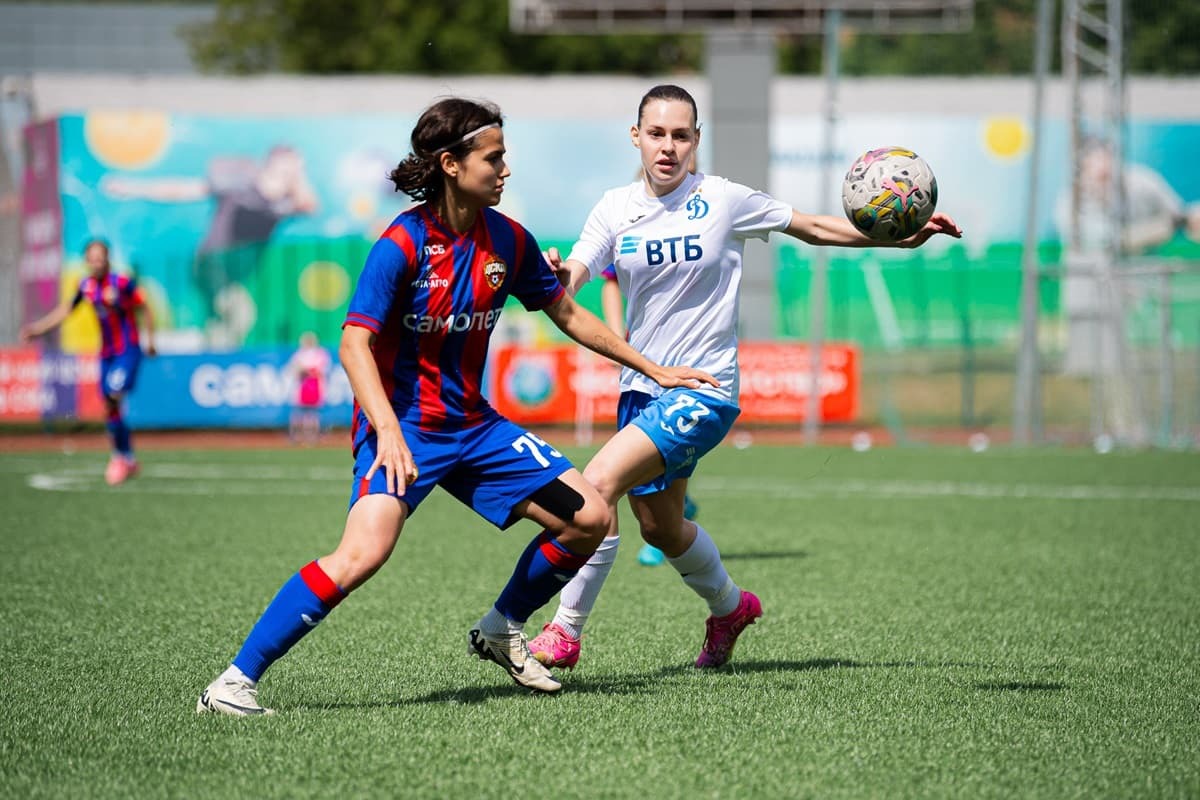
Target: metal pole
<point>1166,373</point>
<point>819,284</point>
<point>1026,416</point>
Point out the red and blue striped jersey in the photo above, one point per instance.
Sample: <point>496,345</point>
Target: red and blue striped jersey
<point>114,298</point>
<point>432,297</point>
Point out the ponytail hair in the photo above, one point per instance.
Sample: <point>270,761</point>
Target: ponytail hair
<point>448,126</point>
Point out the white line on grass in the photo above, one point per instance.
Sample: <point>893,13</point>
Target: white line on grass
<point>92,483</point>
<point>242,479</point>
<point>921,490</point>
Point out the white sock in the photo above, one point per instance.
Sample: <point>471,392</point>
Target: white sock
<point>701,568</point>
<point>235,674</point>
<point>497,624</point>
<point>578,597</point>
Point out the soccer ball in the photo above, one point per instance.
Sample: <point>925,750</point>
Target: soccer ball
<point>889,193</point>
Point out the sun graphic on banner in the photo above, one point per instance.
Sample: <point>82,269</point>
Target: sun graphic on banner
<point>324,285</point>
<point>127,139</point>
<point>1005,137</point>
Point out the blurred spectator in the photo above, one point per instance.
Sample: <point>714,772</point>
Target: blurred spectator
<point>309,366</point>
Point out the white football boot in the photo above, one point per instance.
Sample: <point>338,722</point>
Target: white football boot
<point>231,696</point>
<point>511,651</point>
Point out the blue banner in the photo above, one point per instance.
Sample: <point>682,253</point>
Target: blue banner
<point>248,389</point>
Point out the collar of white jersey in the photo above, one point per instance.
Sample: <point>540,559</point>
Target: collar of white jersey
<point>685,188</point>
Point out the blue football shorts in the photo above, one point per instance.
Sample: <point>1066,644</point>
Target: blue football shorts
<point>489,467</point>
<point>118,374</point>
<point>684,424</point>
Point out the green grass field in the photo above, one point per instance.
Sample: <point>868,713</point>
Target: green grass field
<point>938,623</point>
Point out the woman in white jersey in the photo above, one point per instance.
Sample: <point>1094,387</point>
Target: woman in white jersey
<point>676,240</point>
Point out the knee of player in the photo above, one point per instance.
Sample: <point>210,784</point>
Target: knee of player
<point>605,483</point>
<point>594,518</point>
<point>654,530</point>
<point>350,567</point>
<point>574,505</point>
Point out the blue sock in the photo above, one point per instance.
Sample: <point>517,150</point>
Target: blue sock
<point>541,572</point>
<point>120,434</point>
<point>301,603</point>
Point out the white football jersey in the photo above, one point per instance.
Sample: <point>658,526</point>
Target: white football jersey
<point>678,260</point>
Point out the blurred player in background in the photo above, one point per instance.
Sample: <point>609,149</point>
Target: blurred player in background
<point>309,366</point>
<point>676,240</point>
<point>118,302</point>
<point>414,346</point>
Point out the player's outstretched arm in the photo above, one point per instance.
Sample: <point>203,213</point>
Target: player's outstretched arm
<point>48,322</point>
<point>586,328</point>
<point>392,454</point>
<point>823,229</point>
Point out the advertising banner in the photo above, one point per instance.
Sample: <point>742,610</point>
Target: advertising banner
<point>248,231</point>
<point>22,397</point>
<point>252,388</point>
<point>560,384</point>
<point>37,385</point>
<point>41,222</point>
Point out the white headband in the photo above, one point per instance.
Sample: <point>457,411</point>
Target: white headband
<point>466,137</point>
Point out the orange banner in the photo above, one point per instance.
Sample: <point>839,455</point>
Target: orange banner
<point>563,384</point>
<point>22,397</point>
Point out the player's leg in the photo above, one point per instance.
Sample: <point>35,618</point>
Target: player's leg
<point>118,375</point>
<point>549,562</point>
<point>653,453</point>
<point>694,555</point>
<point>651,556</point>
<point>628,458</point>
<point>500,462</point>
<point>373,525</point>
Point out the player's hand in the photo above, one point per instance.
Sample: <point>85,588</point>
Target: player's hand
<point>26,334</point>
<point>938,223</point>
<point>393,455</point>
<point>673,377</point>
<point>555,260</point>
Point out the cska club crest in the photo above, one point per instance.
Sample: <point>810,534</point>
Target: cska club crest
<point>495,270</point>
<point>108,295</point>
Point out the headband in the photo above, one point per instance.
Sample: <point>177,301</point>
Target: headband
<point>466,137</point>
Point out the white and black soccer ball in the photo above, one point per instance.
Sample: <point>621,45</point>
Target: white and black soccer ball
<point>889,193</point>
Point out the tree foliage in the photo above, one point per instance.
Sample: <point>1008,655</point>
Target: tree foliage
<point>415,36</point>
<point>472,36</point>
